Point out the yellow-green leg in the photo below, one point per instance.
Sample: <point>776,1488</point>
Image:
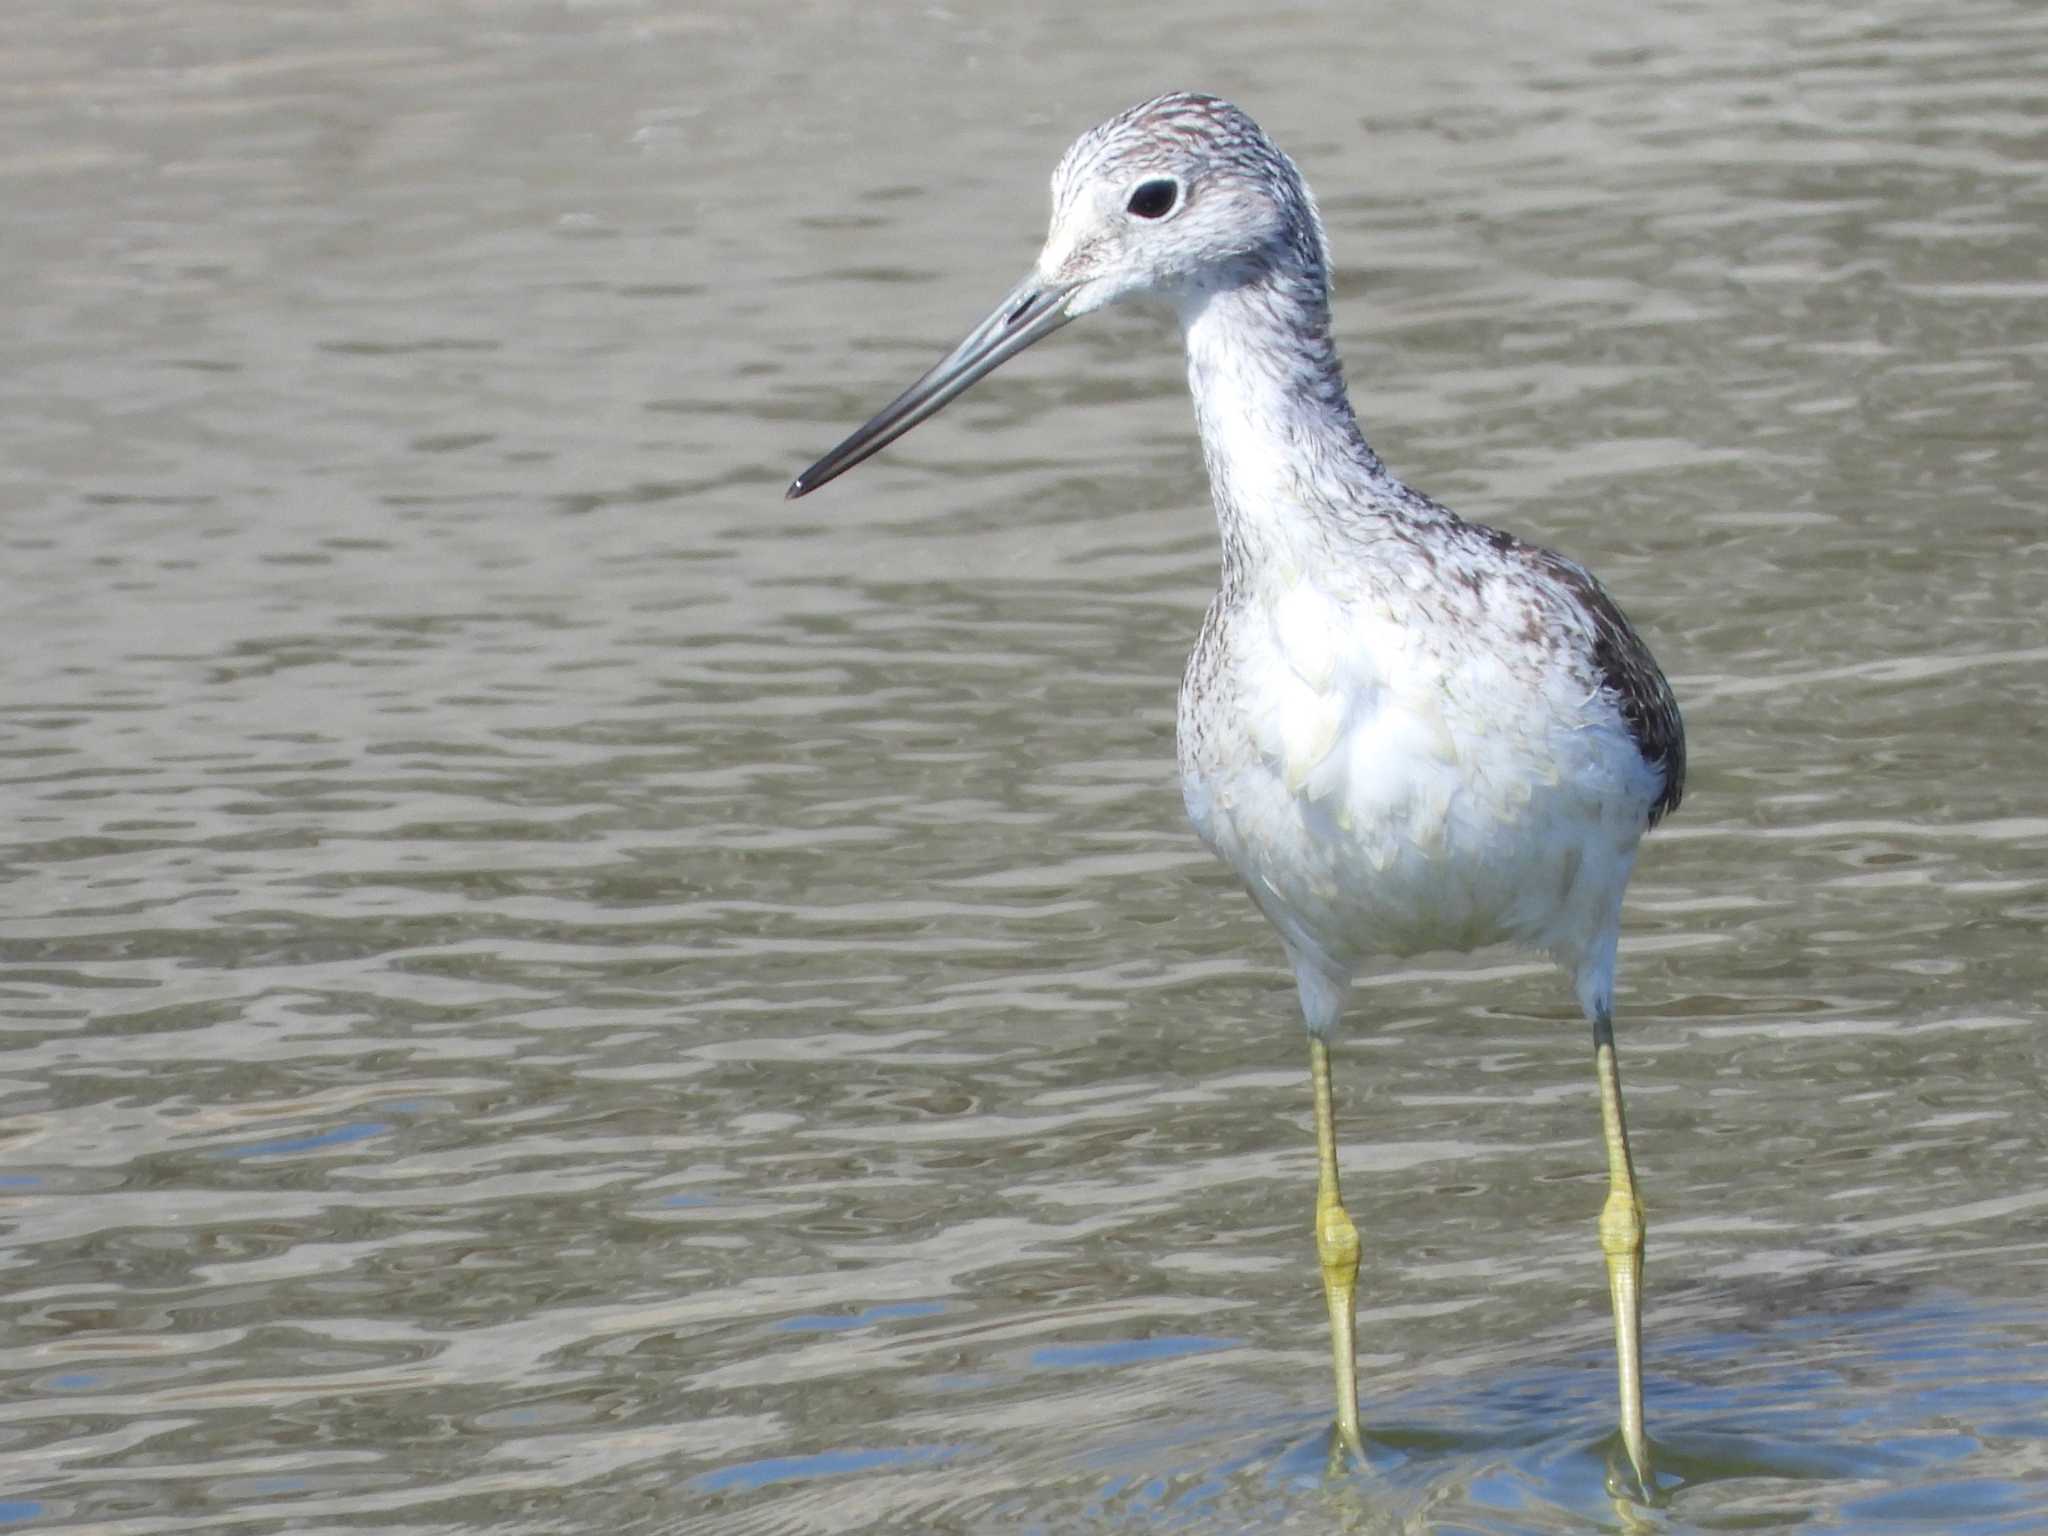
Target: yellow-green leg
<point>1337,1251</point>
<point>1621,1243</point>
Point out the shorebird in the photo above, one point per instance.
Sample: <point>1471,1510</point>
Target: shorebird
<point>1404,731</point>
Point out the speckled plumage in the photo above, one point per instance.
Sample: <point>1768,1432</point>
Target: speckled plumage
<point>1404,731</point>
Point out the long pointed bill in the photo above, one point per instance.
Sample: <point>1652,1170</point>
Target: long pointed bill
<point>1032,310</point>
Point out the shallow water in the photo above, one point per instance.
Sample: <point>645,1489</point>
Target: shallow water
<point>548,989</point>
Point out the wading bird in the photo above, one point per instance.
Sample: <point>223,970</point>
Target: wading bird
<point>1404,731</point>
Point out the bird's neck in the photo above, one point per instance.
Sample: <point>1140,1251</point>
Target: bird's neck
<point>1287,461</point>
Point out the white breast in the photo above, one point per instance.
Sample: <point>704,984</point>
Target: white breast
<point>1389,782</point>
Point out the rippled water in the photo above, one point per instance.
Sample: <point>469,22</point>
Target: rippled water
<point>547,989</point>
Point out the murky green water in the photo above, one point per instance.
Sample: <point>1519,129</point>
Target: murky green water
<point>548,990</point>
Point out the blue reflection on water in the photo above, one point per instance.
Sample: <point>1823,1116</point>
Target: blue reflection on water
<point>1885,1419</point>
<point>341,1135</point>
<point>785,1469</point>
<point>1125,1351</point>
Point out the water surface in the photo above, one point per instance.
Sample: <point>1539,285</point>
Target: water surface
<point>547,989</point>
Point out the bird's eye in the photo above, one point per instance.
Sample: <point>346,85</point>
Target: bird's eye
<point>1153,199</point>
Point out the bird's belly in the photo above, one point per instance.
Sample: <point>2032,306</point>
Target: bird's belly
<point>1427,838</point>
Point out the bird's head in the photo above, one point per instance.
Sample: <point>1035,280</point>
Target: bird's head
<point>1177,198</point>
<point>1180,195</point>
